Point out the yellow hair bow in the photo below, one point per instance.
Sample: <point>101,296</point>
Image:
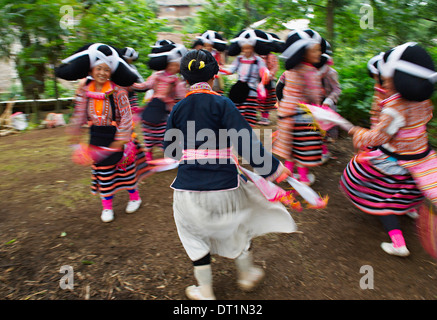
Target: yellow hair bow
<point>189,64</point>
<point>201,64</point>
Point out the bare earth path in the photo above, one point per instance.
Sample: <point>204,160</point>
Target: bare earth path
<point>49,219</point>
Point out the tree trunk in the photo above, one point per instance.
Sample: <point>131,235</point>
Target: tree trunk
<point>32,78</point>
<point>31,73</point>
<point>248,12</point>
<point>330,8</point>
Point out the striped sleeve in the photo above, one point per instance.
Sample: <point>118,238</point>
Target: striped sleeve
<point>148,84</point>
<point>272,64</point>
<point>79,117</point>
<point>390,121</point>
<point>293,89</point>
<point>334,85</point>
<point>124,121</point>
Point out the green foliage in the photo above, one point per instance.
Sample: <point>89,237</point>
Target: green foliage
<point>37,26</point>
<point>32,25</point>
<point>49,91</point>
<point>225,16</point>
<point>357,86</point>
<point>128,23</point>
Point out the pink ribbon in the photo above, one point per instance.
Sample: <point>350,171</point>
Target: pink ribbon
<point>196,154</point>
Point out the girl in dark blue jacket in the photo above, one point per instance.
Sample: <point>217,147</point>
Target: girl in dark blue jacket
<point>217,210</point>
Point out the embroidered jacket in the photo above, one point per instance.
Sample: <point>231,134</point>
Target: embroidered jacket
<point>401,127</point>
<point>272,63</point>
<point>249,70</point>
<point>85,111</point>
<point>301,84</point>
<point>331,86</point>
<point>167,87</point>
<point>375,110</point>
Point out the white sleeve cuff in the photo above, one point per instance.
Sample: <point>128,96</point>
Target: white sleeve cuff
<point>397,123</point>
<point>329,102</point>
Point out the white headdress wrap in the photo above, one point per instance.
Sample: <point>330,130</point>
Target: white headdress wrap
<point>97,57</point>
<point>130,54</point>
<point>304,41</point>
<point>173,55</point>
<point>372,61</point>
<point>209,37</point>
<point>248,37</point>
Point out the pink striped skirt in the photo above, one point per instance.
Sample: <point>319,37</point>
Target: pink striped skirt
<point>377,184</point>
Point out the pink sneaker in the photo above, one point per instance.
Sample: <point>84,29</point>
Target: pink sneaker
<point>289,165</point>
<point>305,177</point>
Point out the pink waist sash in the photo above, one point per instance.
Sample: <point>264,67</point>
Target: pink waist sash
<point>196,154</point>
<point>269,190</point>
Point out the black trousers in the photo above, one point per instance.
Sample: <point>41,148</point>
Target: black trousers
<point>390,222</point>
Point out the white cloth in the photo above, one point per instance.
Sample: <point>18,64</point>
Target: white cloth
<point>224,222</point>
<point>19,121</point>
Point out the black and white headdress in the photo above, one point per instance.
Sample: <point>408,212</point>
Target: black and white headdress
<point>412,70</point>
<point>161,43</point>
<point>316,36</point>
<point>78,65</point>
<point>164,52</point>
<point>276,43</point>
<point>213,38</point>
<point>372,64</point>
<point>258,39</point>
<point>325,47</point>
<point>295,46</point>
<point>129,53</point>
<point>328,49</point>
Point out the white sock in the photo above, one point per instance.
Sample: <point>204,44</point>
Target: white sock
<point>203,275</point>
<point>244,262</point>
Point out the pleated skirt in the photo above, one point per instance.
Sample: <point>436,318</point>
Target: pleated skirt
<point>307,145</point>
<point>248,109</point>
<point>108,180</point>
<point>270,102</point>
<point>378,185</point>
<point>153,134</point>
<point>225,222</point>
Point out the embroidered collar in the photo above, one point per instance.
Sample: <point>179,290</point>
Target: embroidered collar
<point>250,60</point>
<point>107,89</point>
<point>307,64</point>
<point>201,87</point>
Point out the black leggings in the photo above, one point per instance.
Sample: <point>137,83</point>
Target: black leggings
<point>390,222</point>
<point>207,260</point>
<point>203,261</point>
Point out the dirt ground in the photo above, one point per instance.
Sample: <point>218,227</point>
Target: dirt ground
<point>49,219</point>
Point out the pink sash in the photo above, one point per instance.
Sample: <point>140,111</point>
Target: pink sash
<point>197,154</point>
<point>270,191</point>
